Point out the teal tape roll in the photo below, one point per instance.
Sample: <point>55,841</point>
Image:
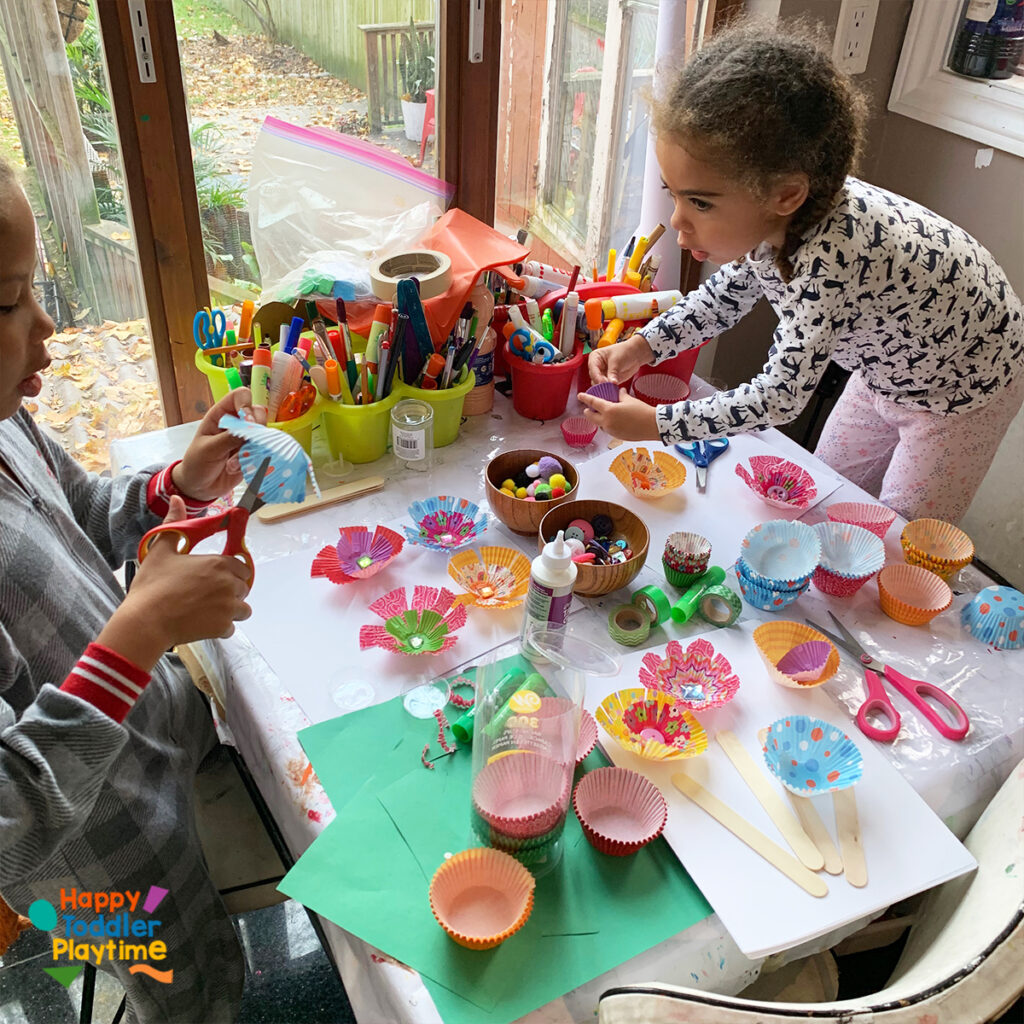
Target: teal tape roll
<point>629,625</point>
<point>654,602</point>
<point>720,606</point>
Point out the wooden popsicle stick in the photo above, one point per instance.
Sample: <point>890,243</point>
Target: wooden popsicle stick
<point>782,817</point>
<point>848,829</point>
<point>815,828</point>
<point>746,833</point>
<point>331,496</point>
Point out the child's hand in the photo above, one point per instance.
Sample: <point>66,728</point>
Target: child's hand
<point>176,598</point>
<point>628,419</point>
<point>209,468</point>
<point>620,361</point>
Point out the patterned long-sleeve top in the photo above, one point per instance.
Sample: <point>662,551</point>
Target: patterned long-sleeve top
<point>882,286</point>
<point>74,764</point>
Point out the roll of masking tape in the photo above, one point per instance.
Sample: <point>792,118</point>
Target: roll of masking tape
<point>654,602</point>
<point>720,605</point>
<point>629,625</point>
<point>432,269</point>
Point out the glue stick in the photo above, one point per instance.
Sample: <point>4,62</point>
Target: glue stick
<point>260,377</point>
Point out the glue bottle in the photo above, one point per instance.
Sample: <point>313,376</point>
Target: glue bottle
<point>552,575</point>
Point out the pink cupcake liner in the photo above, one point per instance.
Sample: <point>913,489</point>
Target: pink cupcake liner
<point>522,795</point>
<point>480,897</point>
<point>578,431</point>
<point>836,584</point>
<point>660,389</point>
<point>619,810</point>
<point>876,518</point>
<point>588,736</point>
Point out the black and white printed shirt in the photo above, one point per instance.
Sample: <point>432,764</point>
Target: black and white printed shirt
<point>881,285</point>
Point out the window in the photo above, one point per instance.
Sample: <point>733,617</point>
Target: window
<point>990,112</point>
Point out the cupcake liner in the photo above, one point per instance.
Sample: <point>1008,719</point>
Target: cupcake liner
<point>578,431</point>
<point>687,551</point>
<point>652,725</point>
<point>682,580</point>
<point>492,578</point>
<point>996,616</point>
<point>445,523</point>
<point>606,390</point>
<point>660,389</point>
<point>806,661</point>
<point>619,810</point>
<point>769,600</point>
<point>781,552</point>
<point>848,550</point>
<point>912,594</point>
<point>645,476</point>
<point>523,795</point>
<point>810,756</point>
<point>774,640</point>
<point>778,482</point>
<point>587,738</point>
<point>698,677</point>
<point>745,573</point>
<point>876,518</point>
<point>480,897</point>
<point>836,584</point>
<point>936,541</point>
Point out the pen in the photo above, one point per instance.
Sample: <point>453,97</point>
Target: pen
<point>350,356</point>
<point>364,384</point>
<point>389,376</point>
<point>382,368</point>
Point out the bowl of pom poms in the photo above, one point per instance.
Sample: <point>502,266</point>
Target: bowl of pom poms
<point>609,543</point>
<point>524,484</point>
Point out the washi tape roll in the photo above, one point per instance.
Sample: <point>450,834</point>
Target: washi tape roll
<point>654,602</point>
<point>432,269</point>
<point>629,625</point>
<point>720,606</point>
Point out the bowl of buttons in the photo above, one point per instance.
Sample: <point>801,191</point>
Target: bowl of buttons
<point>609,543</point>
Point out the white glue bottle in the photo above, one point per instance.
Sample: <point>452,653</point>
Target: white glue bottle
<point>552,575</point>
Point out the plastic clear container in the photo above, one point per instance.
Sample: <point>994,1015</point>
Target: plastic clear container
<point>412,434</point>
<point>526,721</point>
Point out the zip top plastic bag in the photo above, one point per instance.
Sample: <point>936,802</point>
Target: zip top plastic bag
<point>314,192</point>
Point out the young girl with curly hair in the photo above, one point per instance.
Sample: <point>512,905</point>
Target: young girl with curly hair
<point>756,139</point>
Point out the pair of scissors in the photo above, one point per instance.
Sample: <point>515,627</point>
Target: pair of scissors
<point>209,329</point>
<point>234,521</point>
<point>702,454</point>
<point>296,403</point>
<point>914,690</point>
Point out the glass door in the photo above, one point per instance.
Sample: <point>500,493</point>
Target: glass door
<point>57,129</point>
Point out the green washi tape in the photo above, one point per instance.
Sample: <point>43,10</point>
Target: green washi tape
<point>629,625</point>
<point>654,602</point>
<point>721,606</point>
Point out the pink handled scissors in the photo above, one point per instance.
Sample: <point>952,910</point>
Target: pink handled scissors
<point>914,690</point>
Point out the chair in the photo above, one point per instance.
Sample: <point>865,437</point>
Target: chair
<point>429,124</point>
<point>961,964</point>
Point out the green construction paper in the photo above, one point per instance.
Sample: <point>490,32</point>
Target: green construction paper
<point>371,877</point>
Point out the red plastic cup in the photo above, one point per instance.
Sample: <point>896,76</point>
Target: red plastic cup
<point>540,391</point>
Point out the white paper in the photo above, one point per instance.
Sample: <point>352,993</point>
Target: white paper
<point>724,514</point>
<point>906,846</point>
<point>308,629</point>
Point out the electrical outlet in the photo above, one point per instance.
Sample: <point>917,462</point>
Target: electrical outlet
<point>853,35</point>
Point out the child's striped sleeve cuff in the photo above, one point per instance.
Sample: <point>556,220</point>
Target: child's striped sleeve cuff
<point>107,681</point>
<point>160,490</point>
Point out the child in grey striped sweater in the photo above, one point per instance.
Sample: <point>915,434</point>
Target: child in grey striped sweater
<point>100,733</point>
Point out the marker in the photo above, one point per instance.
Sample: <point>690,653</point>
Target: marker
<point>294,330</point>
<point>610,273</point>
<point>337,385</point>
<point>381,322</point>
<point>382,368</point>
<point>245,324</point>
<point>257,336</point>
<point>611,332</point>
<point>350,358</point>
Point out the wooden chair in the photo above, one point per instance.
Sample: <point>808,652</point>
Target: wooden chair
<point>961,964</point>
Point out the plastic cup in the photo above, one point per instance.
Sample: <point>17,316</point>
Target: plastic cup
<point>359,433</point>
<point>447,404</point>
<point>541,391</point>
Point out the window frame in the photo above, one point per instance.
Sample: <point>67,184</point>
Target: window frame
<point>988,111</point>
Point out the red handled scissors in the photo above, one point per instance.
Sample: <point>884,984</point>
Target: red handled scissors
<point>914,690</point>
<point>296,403</point>
<point>234,521</point>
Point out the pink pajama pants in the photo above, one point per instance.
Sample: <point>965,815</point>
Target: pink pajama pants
<point>918,463</point>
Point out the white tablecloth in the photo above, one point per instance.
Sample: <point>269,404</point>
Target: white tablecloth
<point>956,780</point>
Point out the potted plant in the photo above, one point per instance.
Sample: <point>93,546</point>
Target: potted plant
<point>416,68</point>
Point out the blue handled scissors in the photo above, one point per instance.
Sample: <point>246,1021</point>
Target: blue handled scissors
<point>209,330</point>
<point>702,454</point>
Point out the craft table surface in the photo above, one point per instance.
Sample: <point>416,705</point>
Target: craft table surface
<point>263,717</point>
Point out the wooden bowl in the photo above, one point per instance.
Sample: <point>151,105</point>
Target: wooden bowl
<point>519,515</point>
<point>595,580</point>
